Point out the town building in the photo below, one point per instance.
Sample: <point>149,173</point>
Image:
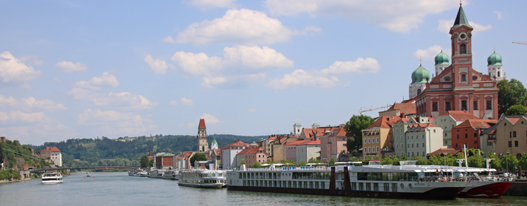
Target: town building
<point>251,155</point>
<point>457,86</point>
<point>403,110</point>
<point>308,150</point>
<point>468,133</point>
<point>376,137</point>
<point>229,152</point>
<point>53,153</point>
<point>165,161</point>
<point>277,148</point>
<point>290,149</point>
<point>332,142</point>
<point>509,135</point>
<point>449,120</point>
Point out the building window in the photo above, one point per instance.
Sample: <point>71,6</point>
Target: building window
<point>513,133</point>
<point>475,105</point>
<point>510,143</point>
<point>475,134</point>
<point>447,106</point>
<point>463,77</point>
<point>378,138</point>
<point>515,143</point>
<point>463,49</point>
<point>434,106</point>
<point>489,104</point>
<point>464,105</point>
<point>457,136</point>
<point>466,136</point>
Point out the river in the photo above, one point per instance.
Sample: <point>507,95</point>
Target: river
<point>114,188</point>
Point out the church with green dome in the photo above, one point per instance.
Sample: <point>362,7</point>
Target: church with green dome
<point>455,84</point>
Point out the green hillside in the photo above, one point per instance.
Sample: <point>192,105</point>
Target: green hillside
<point>127,151</point>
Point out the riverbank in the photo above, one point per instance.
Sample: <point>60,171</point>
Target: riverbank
<point>15,180</point>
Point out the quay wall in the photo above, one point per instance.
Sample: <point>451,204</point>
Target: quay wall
<point>518,188</point>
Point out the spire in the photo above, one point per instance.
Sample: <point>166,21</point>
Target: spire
<point>461,18</point>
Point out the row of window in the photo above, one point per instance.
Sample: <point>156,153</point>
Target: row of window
<point>287,184</point>
<point>277,175</point>
<point>409,145</point>
<point>371,140</point>
<point>371,149</point>
<point>411,154</point>
<point>463,105</point>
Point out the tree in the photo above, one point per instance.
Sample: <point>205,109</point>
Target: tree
<point>242,162</point>
<point>144,161</point>
<point>151,162</point>
<point>302,163</point>
<point>354,129</point>
<point>256,165</point>
<point>510,93</point>
<point>332,162</point>
<point>516,110</point>
<point>197,157</point>
<point>496,162</point>
<point>509,162</point>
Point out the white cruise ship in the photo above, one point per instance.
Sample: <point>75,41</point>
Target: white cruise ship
<point>203,178</point>
<point>404,181</point>
<point>51,178</point>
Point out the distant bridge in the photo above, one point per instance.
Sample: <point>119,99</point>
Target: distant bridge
<point>88,167</point>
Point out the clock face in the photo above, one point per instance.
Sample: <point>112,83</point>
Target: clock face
<point>463,36</point>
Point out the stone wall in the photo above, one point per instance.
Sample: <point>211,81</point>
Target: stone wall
<point>519,188</point>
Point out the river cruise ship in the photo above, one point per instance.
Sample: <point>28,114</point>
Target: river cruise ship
<point>51,178</point>
<point>408,181</point>
<point>171,175</point>
<point>203,178</point>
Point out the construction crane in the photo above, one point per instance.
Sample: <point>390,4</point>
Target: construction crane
<point>372,109</point>
<point>517,42</point>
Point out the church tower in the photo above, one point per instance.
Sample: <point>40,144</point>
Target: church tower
<point>461,37</point>
<point>203,146</point>
<point>420,77</point>
<point>441,62</point>
<point>495,67</point>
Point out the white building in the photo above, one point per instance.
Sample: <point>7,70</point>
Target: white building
<point>54,154</point>
<point>449,120</point>
<point>229,152</point>
<point>307,150</point>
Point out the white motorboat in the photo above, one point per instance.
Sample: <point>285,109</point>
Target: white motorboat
<point>51,178</point>
<point>171,175</point>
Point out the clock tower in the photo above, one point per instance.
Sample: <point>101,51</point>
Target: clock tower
<point>461,37</point>
<point>203,146</point>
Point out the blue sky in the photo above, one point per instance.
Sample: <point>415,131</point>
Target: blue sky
<point>83,69</point>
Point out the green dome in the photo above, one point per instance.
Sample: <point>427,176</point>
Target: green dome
<point>494,59</point>
<point>420,75</point>
<point>442,58</point>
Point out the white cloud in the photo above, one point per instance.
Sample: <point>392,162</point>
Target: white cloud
<point>157,65</point>
<point>28,117</point>
<point>169,39</point>
<point>13,70</point>
<point>208,4</point>
<point>242,26</point>
<point>3,117</point>
<point>113,122</point>
<point>445,25</point>
<point>106,79</point>
<point>197,64</point>
<point>209,119</point>
<point>239,64</point>
<point>173,102</point>
<point>499,14</point>
<point>124,100</point>
<point>430,53</point>
<point>255,57</point>
<point>37,133</point>
<point>35,60</point>
<point>186,101</point>
<point>30,103</point>
<point>68,67</point>
<point>323,78</point>
<point>368,65</point>
<point>301,78</point>
<point>398,16</point>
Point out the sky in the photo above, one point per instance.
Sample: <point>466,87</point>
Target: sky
<point>86,69</point>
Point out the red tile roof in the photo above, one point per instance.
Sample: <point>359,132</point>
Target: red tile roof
<point>460,115</point>
<point>513,120</point>
<point>404,108</point>
<point>52,149</point>
<point>422,125</point>
<point>252,150</point>
<point>297,142</point>
<point>384,122</point>
<point>236,143</point>
<point>311,142</point>
<point>444,151</point>
<point>477,123</point>
<point>202,124</point>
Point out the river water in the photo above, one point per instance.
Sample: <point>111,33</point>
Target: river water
<point>114,188</point>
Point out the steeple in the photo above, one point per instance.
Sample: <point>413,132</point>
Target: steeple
<point>461,18</point>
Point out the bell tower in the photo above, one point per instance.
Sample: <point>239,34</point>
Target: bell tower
<point>203,146</point>
<point>461,37</point>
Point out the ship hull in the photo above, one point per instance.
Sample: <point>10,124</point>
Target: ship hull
<point>447,193</point>
<point>485,189</point>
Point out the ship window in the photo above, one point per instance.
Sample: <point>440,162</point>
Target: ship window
<point>394,187</point>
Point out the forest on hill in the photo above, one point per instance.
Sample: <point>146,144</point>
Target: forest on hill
<point>127,151</point>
